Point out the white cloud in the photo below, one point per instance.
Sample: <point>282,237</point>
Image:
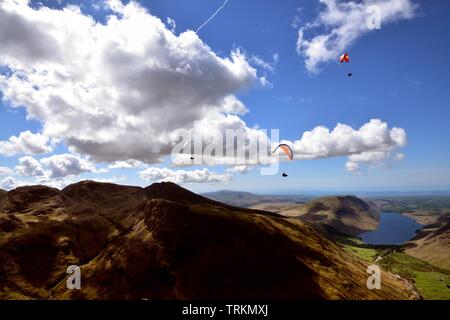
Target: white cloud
<point>171,23</point>
<point>128,164</point>
<point>269,66</point>
<point>5,171</point>
<point>56,171</point>
<point>243,169</point>
<point>110,180</point>
<point>55,167</point>
<point>340,23</point>
<point>10,183</point>
<point>182,176</point>
<point>343,140</point>
<point>26,143</point>
<point>112,91</point>
<point>353,167</point>
<point>65,165</point>
<point>234,106</point>
<point>371,144</point>
<point>371,159</point>
<point>29,167</point>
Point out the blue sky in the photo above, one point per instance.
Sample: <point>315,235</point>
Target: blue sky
<point>401,75</point>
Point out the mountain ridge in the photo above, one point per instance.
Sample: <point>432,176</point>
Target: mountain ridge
<point>346,214</point>
<point>132,244</point>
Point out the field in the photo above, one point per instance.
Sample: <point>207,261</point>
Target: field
<point>367,254</point>
<point>431,283</point>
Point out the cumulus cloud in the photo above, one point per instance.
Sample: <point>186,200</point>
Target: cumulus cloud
<point>340,23</point>
<point>5,171</point>
<point>55,167</point>
<point>10,183</point>
<point>128,164</point>
<point>113,93</point>
<point>371,160</point>
<point>109,90</point>
<point>343,140</point>
<point>26,143</point>
<point>57,170</point>
<point>29,167</point>
<point>353,167</point>
<point>64,165</point>
<point>371,144</point>
<point>155,174</point>
<point>242,169</point>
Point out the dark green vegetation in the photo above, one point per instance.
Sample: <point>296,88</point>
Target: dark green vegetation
<point>431,282</point>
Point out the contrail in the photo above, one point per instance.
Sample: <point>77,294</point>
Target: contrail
<point>212,17</point>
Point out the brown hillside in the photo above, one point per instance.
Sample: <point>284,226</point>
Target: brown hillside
<point>346,214</point>
<point>132,244</point>
<point>432,244</point>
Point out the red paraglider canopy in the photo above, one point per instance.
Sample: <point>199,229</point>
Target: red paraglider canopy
<point>344,58</point>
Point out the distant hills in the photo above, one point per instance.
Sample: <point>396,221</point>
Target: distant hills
<point>164,242</point>
<point>248,199</point>
<point>346,214</point>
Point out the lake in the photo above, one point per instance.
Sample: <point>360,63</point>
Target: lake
<point>394,228</point>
